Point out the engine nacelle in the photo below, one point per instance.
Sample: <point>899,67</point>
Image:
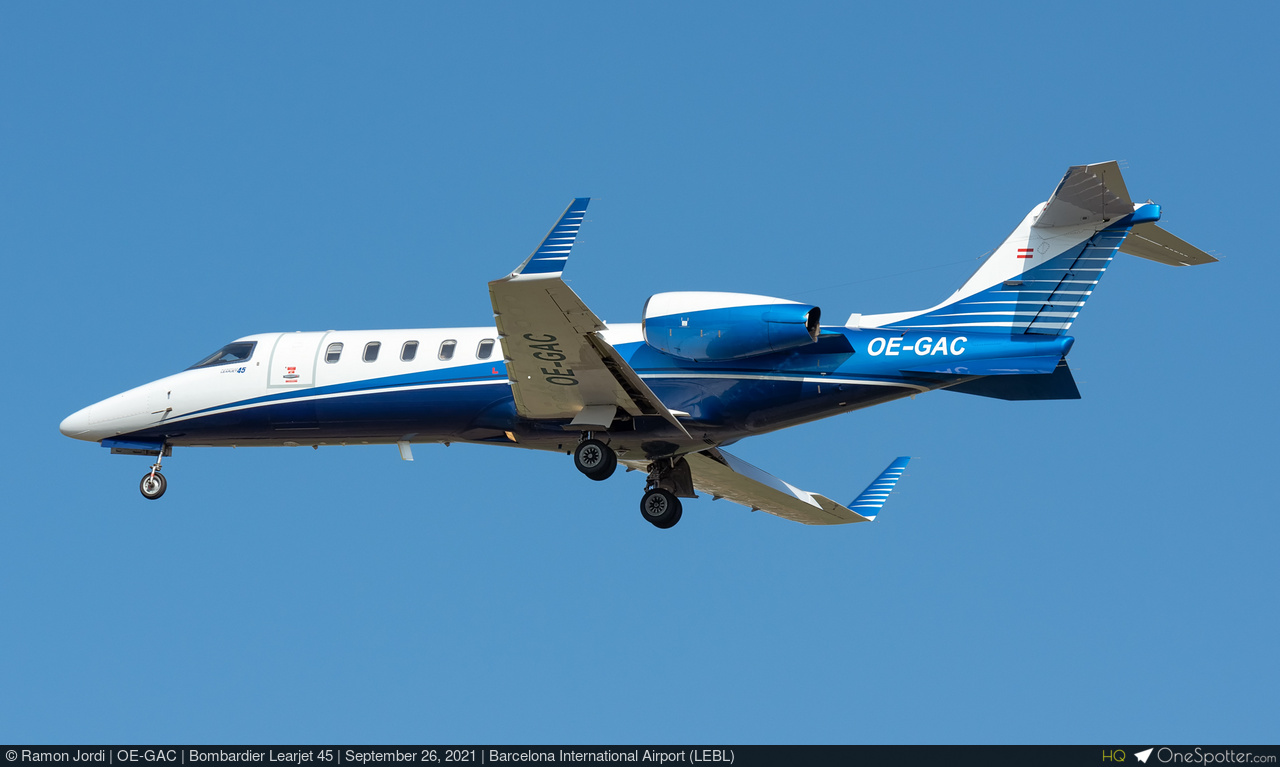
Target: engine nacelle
<point>726,326</point>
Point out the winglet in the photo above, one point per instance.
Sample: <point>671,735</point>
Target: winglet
<point>550,257</point>
<point>872,499</point>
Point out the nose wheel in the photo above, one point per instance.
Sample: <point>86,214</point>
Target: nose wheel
<point>595,459</point>
<point>153,483</point>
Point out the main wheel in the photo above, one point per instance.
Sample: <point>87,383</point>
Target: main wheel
<point>153,486</point>
<point>661,508</point>
<point>595,459</point>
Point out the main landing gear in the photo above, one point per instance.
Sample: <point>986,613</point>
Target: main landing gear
<point>661,507</point>
<point>669,480</point>
<point>153,484</point>
<point>595,459</point>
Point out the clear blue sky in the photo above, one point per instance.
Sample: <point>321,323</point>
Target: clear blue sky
<point>173,176</point>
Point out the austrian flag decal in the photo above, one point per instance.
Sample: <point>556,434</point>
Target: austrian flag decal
<point>1025,252</point>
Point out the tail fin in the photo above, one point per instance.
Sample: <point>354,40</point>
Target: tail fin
<point>1041,275</point>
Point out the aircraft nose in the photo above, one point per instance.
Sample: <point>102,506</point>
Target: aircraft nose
<point>76,424</point>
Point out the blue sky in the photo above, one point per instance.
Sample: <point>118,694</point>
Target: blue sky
<point>176,176</point>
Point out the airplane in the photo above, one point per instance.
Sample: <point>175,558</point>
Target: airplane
<point>702,370</point>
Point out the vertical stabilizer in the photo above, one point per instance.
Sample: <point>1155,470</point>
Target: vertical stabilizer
<point>1042,274</point>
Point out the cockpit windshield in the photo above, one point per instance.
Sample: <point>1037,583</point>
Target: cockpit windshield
<point>236,352</point>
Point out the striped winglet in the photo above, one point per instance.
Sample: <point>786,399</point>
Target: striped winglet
<point>550,257</point>
<point>872,499</point>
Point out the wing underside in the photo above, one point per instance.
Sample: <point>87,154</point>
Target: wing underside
<point>559,365</point>
<point>726,476</point>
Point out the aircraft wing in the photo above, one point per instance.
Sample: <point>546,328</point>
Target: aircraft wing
<point>558,363</point>
<point>727,476</point>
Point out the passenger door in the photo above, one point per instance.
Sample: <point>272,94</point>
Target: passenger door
<point>293,361</point>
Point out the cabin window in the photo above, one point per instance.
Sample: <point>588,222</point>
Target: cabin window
<point>408,351</point>
<point>332,354</point>
<point>446,349</point>
<point>239,351</point>
<point>485,350</point>
<point>371,351</point>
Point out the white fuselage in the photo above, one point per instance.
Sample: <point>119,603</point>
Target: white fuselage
<point>309,363</point>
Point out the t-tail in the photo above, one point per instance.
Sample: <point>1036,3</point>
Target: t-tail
<point>1039,278</point>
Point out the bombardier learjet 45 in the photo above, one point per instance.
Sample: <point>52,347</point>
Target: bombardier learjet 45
<point>701,370</point>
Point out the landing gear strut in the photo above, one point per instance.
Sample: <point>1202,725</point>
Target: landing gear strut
<point>153,484</point>
<point>669,478</point>
<point>595,459</point>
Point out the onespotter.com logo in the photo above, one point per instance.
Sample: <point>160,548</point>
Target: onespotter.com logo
<point>1197,755</point>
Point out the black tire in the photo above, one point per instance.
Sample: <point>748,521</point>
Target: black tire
<point>661,508</point>
<point>153,488</point>
<point>595,459</point>
<point>607,471</point>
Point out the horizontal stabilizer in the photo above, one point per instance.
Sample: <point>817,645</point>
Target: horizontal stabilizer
<point>1151,242</point>
<point>1088,194</point>
<point>1012,366</point>
<point>1058,385</point>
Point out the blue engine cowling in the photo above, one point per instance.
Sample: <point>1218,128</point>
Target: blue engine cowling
<point>726,326</point>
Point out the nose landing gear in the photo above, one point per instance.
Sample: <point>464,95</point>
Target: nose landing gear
<point>595,459</point>
<point>153,484</point>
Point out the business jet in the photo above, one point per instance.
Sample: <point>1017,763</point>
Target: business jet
<point>699,372</point>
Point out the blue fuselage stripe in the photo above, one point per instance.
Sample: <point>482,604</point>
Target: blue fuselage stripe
<point>724,400</point>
